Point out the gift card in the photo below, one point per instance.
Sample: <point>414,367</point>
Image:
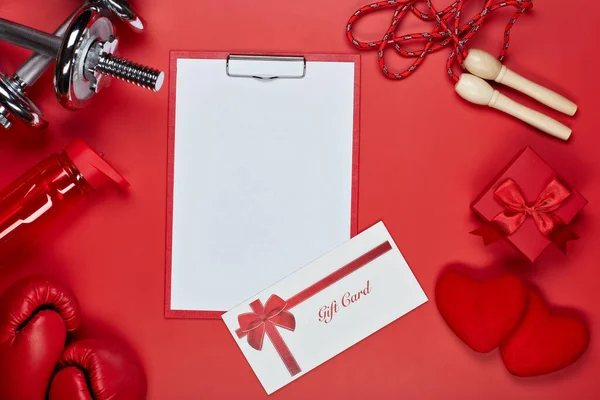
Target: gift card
<point>324,308</point>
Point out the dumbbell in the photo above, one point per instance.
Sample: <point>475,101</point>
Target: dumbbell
<point>13,98</point>
<point>84,57</point>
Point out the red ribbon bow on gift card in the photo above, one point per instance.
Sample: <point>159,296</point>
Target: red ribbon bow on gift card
<point>516,210</point>
<point>264,320</point>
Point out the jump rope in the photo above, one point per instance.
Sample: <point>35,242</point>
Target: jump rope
<point>450,32</point>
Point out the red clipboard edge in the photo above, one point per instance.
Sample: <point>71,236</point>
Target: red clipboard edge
<point>176,55</point>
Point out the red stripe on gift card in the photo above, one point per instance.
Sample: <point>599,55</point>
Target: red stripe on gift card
<point>339,274</point>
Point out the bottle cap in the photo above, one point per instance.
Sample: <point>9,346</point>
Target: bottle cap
<point>96,171</point>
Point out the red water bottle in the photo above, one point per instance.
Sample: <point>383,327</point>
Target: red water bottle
<point>31,203</point>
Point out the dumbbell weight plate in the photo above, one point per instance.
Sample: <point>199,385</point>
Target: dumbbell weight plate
<point>13,100</point>
<point>73,88</point>
<point>123,10</point>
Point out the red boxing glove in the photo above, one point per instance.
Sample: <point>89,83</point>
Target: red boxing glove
<point>98,370</point>
<point>35,316</point>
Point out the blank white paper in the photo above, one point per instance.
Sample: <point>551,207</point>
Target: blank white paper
<point>262,178</point>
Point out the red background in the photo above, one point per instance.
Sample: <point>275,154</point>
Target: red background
<point>425,154</point>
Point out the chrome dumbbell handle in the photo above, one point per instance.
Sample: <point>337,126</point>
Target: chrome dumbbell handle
<point>29,38</point>
<point>33,69</point>
<point>38,63</point>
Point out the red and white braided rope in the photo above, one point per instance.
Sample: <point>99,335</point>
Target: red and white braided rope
<point>448,30</point>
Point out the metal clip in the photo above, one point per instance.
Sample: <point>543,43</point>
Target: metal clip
<point>232,58</point>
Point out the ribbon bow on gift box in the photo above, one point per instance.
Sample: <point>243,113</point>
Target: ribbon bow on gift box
<point>516,210</point>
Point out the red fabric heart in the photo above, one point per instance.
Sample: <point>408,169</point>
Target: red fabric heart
<point>482,313</point>
<point>544,343</point>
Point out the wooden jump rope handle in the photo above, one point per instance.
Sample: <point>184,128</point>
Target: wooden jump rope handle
<point>475,89</point>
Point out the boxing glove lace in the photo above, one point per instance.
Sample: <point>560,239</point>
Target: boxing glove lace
<point>35,316</point>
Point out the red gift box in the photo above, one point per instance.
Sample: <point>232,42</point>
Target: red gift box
<point>529,206</point>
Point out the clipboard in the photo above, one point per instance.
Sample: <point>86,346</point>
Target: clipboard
<point>262,172</point>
